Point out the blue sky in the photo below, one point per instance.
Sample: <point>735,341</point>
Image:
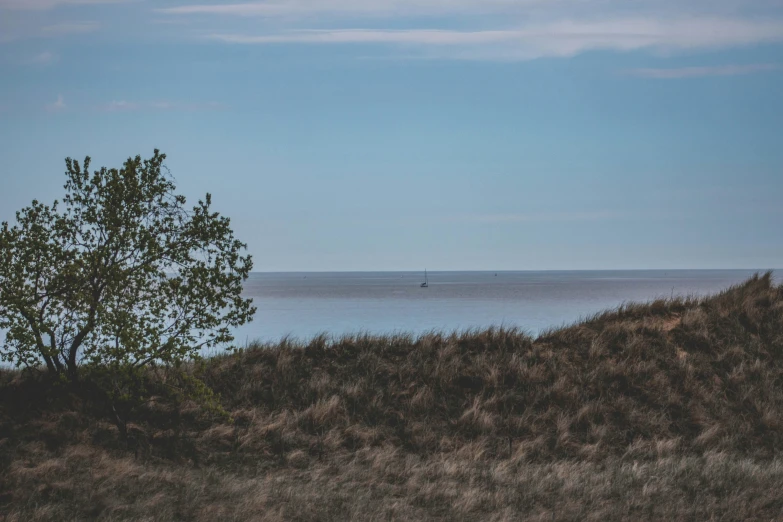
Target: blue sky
<point>403,134</point>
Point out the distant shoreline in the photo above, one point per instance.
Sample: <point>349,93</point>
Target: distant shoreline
<point>487,271</point>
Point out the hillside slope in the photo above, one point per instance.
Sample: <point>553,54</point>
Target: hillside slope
<point>666,410</point>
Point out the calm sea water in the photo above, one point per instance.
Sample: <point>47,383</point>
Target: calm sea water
<point>305,304</point>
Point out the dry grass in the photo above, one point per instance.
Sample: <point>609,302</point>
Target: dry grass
<point>385,483</point>
<point>671,410</point>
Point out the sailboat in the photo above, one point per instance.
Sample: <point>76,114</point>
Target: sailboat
<point>425,284</point>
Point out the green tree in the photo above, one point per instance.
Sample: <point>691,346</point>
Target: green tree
<point>119,273</point>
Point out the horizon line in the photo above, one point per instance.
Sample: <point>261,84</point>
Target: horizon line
<point>518,270</point>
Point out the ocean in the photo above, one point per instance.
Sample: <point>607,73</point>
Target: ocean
<point>302,305</point>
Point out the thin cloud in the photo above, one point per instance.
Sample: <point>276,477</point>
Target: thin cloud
<point>43,5</point>
<point>25,19</point>
<point>541,217</point>
<point>57,106</point>
<point>170,21</point>
<point>566,38</point>
<point>289,8</point>
<point>121,105</point>
<point>44,58</point>
<point>67,28</point>
<point>130,106</point>
<point>415,36</point>
<point>700,72</point>
<point>45,29</point>
<point>408,8</point>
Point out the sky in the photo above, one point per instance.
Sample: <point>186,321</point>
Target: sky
<point>351,135</point>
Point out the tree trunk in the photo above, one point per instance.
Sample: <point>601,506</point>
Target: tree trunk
<point>49,364</point>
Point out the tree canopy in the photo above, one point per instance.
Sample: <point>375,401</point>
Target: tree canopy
<point>119,272</point>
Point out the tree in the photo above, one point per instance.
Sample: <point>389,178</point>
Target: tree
<point>120,273</point>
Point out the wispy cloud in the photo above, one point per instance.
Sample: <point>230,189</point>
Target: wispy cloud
<point>21,32</point>
<point>451,29</point>
<point>170,21</point>
<point>537,217</point>
<point>42,5</point>
<point>308,8</point>
<point>66,28</point>
<point>699,72</point>
<point>57,106</point>
<point>565,38</point>
<point>43,58</point>
<point>133,106</point>
<point>25,19</point>
<point>410,8</point>
<point>414,36</point>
